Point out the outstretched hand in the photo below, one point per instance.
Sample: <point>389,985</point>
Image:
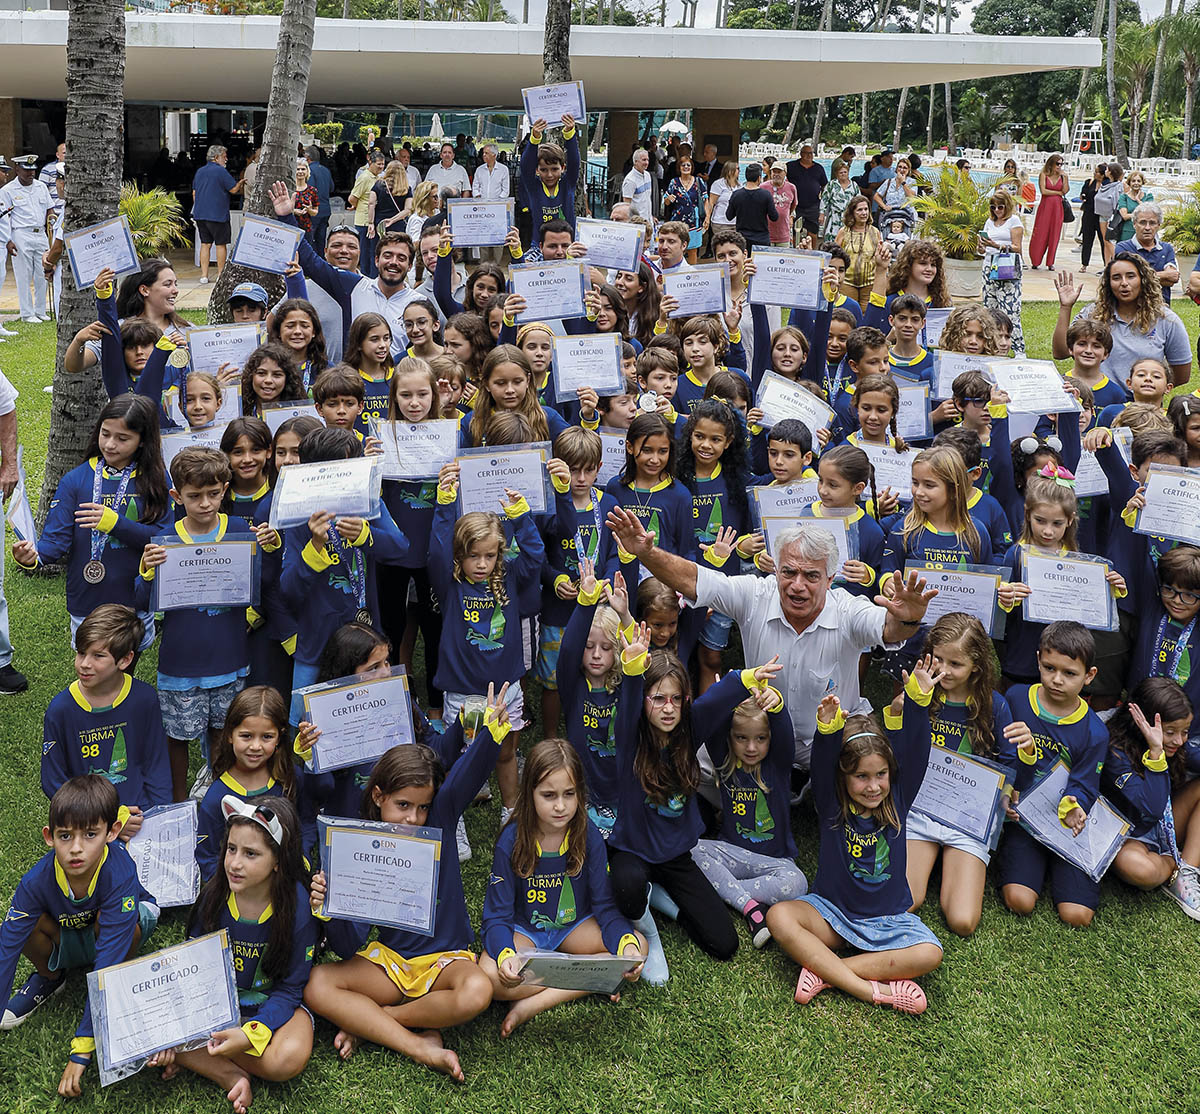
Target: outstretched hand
<point>630,532</point>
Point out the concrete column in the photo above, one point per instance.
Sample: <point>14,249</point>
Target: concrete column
<point>10,126</point>
<point>721,126</point>
<point>622,134</point>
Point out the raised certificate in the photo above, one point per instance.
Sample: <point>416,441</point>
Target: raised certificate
<point>1089,476</point>
<point>935,322</point>
<point>599,974</point>
<point>968,588</point>
<point>783,500</point>
<point>779,398</point>
<point>177,996</point>
<point>914,421</point>
<point>1094,848</point>
<point>480,224</point>
<point>230,408</point>
<point>612,460</point>
<point>844,533</point>
<point>417,450</point>
<point>266,245</point>
<point>207,574</point>
<point>615,244</point>
<point>1068,586</point>
<point>164,851</point>
<point>947,366</point>
<point>210,346</point>
<point>552,102</point>
<point>380,873</point>
<point>276,415</point>
<point>106,244</point>
<point>1172,507</point>
<point>784,277</point>
<point>175,442</point>
<point>699,290</point>
<point>1033,387</point>
<point>358,719</point>
<point>552,291</point>
<point>588,360</point>
<point>344,488</point>
<point>484,475</point>
<point>892,469</point>
<point>963,792</point>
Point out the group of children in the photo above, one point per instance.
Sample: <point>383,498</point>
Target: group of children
<point>663,779</point>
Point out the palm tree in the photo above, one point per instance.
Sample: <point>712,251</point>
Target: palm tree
<point>948,8</point>
<point>904,91</point>
<point>1134,63</point>
<point>1185,41</point>
<point>1162,28</point>
<point>791,128</point>
<point>1110,72</point>
<point>155,219</point>
<point>826,24</point>
<point>1084,74</point>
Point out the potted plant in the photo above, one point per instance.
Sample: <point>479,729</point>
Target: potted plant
<point>1181,229</point>
<point>155,219</point>
<point>953,214</point>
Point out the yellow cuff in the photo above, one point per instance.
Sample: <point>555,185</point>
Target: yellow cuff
<point>164,344</point>
<point>1029,757</point>
<point>568,133</point>
<point>879,300</point>
<point>659,328</point>
<point>735,337</point>
<point>778,705</point>
<point>123,811</point>
<point>758,557</point>
<point>916,694</point>
<point>83,1046</point>
<point>104,292</point>
<point>147,574</point>
<point>560,485</point>
<point>260,1037</point>
<point>519,253</point>
<point>713,558</point>
<point>498,731</point>
<point>892,721</point>
<point>364,535</point>
<point>671,416</point>
<point>1119,593</point>
<point>254,618</point>
<point>108,519</point>
<point>1129,516</point>
<point>752,682</point>
<point>510,321</point>
<point>505,953</point>
<point>624,557</point>
<point>871,575</point>
<point>316,559</point>
<point>626,940</point>
<point>272,547</point>
<point>515,510</point>
<point>998,409</point>
<point>835,725</point>
<point>444,250</point>
<point>1064,807</point>
<point>446,496</point>
<point>304,752</point>
<point>1158,765</point>
<point>634,667</point>
<point>1010,607</point>
<point>590,423</point>
<point>588,599</point>
<point>289,645</point>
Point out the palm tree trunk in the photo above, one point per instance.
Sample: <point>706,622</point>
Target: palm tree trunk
<point>1097,25</point>
<point>774,113</point>
<point>904,91</point>
<point>791,128</point>
<point>598,134</point>
<point>863,115</point>
<point>345,9</point>
<point>94,127</point>
<point>277,161</point>
<point>1114,102</point>
<point>796,16</point>
<point>948,10</point>
<point>825,24</point>
<point>929,124</point>
<point>1189,104</point>
<point>817,124</point>
<point>524,11</point>
<point>1148,131</point>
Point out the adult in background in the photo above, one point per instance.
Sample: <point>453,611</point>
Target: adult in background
<point>1147,220</point>
<point>390,202</point>
<point>836,195</point>
<point>1089,223</point>
<point>809,179</point>
<point>448,173</point>
<point>1129,301</point>
<point>491,183</point>
<point>307,201</point>
<point>709,166</point>
<point>752,208</point>
<point>24,205</point>
<point>819,632</point>
<point>360,199</point>
<point>637,190</point>
<point>682,199</point>
<point>1053,185</point>
<point>716,211</point>
<point>1001,240</point>
<point>49,173</point>
<point>322,181</point>
<point>404,158</point>
<point>880,171</point>
<point>783,193</point>
<point>895,192</point>
<point>1134,194</point>
<point>212,187</point>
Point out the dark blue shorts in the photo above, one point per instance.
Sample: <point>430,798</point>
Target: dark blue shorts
<point>1022,861</point>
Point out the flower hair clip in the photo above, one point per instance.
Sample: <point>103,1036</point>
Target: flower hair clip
<point>1064,477</point>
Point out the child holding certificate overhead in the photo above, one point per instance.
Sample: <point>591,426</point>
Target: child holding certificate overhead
<point>387,990</point>
<point>81,905</point>
<point>549,887</point>
<point>260,898</point>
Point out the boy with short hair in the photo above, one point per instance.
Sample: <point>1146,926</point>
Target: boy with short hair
<point>81,905</point>
<point>866,354</point>
<point>548,176</point>
<point>983,410</point>
<point>339,397</point>
<point>789,454</point>
<point>1090,343</point>
<point>248,303</point>
<point>618,411</point>
<point>1063,727</point>
<point>658,373</point>
<point>107,722</point>
<point>907,358</point>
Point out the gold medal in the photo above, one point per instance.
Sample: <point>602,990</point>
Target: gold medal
<point>93,572</point>
<point>363,616</point>
<point>178,357</point>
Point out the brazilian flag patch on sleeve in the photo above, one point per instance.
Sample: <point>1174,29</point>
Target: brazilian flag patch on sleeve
<point>128,904</point>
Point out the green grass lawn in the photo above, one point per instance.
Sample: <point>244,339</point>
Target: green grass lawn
<point>1026,1016</point>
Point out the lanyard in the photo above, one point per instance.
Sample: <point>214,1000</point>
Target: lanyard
<point>352,562</point>
<point>590,551</point>
<point>99,538</point>
<point>833,389</point>
<point>1166,828</point>
<point>1181,645</point>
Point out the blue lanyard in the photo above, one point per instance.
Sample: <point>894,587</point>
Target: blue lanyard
<point>1181,644</point>
<point>352,561</point>
<point>590,551</point>
<point>99,538</point>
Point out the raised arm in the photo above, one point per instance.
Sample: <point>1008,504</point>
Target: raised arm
<point>676,573</point>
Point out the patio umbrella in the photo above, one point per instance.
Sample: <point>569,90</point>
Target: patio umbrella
<point>1064,133</point>
<point>435,128</point>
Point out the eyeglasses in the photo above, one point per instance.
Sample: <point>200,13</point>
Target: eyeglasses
<point>658,700</point>
<point>1188,599</point>
<point>982,401</point>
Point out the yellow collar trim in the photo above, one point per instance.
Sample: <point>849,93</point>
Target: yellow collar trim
<point>222,526</point>
<point>818,511</point>
<point>562,847</point>
<point>60,876</point>
<point>232,905</point>
<point>109,472</point>
<point>76,692</point>
<point>228,779</point>
<point>261,493</point>
<point>1080,711</point>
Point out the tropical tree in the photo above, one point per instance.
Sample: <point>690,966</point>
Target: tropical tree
<point>1185,40</point>
<point>1134,66</point>
<point>1162,29</point>
<point>155,219</point>
<point>1085,73</point>
<point>1110,73</point>
<point>94,130</point>
<point>825,24</point>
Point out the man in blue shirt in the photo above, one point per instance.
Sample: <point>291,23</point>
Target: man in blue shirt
<point>1147,220</point>
<point>877,175</point>
<point>211,188</point>
<point>322,181</point>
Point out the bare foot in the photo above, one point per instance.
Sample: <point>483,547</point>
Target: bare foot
<point>432,1037</point>
<point>346,1044</point>
<point>240,1095</point>
<point>518,1013</point>
<point>433,1055</point>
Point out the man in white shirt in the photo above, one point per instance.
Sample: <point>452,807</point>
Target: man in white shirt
<point>388,293</point>
<point>27,202</point>
<point>449,173</point>
<point>819,634</point>
<point>491,183</point>
<point>637,189</point>
<point>404,158</point>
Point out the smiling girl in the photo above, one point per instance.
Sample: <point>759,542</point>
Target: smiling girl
<point>296,325</point>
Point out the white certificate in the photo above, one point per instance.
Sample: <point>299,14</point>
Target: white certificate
<point>1172,507</point>
<point>784,500</point>
<point>947,366</point>
<point>380,873</point>
<point>480,224</point>
<point>892,469</point>
<point>552,102</point>
<point>168,998</point>
<point>588,360</point>
<point>1068,586</point>
<point>230,408</point>
<point>614,244</point>
<point>963,792</point>
<point>914,422</point>
<point>1089,476</point>
<point>699,290</point>
<point>784,277</point>
<point>612,460</point>
<point>482,479</point>
<point>210,346</point>
<point>164,851</point>
<point>266,245</point>
<point>19,512</point>
<point>1095,847</point>
<point>358,719</point>
<point>935,322</point>
<point>206,574</point>
<point>600,974</point>
<point>107,244</point>
<point>779,398</point>
<point>417,450</point>
<point>174,443</point>
<point>276,415</point>
<point>971,589</point>
<point>552,291</point>
<point>344,488</point>
<point>1034,387</point>
<point>843,533</point>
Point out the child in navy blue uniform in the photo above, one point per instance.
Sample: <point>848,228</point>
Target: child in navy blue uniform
<point>705,341</point>
<point>106,722</point>
<point>549,887</point>
<point>105,511</point>
<point>864,780</point>
<point>1064,728</point>
<point>983,507</point>
<point>259,896</point>
<point>866,355</point>
<point>81,905</point>
<point>843,475</point>
<point>1166,642</point>
<point>507,383</point>
<point>369,352</point>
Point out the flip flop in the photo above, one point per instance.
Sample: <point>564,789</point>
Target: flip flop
<point>808,986</point>
<point>902,994</point>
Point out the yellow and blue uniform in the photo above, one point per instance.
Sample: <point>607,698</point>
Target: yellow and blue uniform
<point>568,528</point>
<point>543,205</point>
<point>665,510</point>
<point>210,820</point>
<point>1140,790</point>
<point>375,400</point>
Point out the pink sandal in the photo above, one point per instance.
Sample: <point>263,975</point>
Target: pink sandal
<point>902,994</point>
<point>808,986</point>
